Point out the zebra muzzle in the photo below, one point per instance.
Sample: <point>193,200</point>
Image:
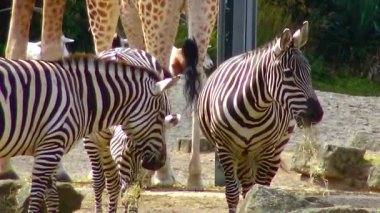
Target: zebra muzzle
<point>154,162</point>
<point>311,116</point>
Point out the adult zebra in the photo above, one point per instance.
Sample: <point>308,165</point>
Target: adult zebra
<point>248,108</point>
<point>45,107</point>
<point>112,148</point>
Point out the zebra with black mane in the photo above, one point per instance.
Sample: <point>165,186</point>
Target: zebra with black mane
<point>115,158</point>
<point>45,107</point>
<point>250,105</point>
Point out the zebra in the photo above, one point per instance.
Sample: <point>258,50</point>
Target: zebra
<point>45,107</point>
<point>115,159</point>
<point>250,105</point>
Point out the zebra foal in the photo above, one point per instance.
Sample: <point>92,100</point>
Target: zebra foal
<point>115,158</point>
<point>249,106</point>
<point>45,107</point>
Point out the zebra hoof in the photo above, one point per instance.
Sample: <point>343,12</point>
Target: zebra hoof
<point>10,175</point>
<point>63,177</point>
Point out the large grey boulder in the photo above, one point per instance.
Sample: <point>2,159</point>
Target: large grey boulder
<point>263,199</point>
<point>364,140</point>
<point>374,178</point>
<point>335,209</point>
<point>330,161</point>
<point>8,193</point>
<point>14,197</point>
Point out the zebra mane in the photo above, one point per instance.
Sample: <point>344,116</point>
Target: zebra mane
<point>88,57</point>
<point>268,45</point>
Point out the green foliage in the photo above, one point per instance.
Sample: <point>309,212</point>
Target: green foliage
<point>271,25</point>
<point>349,85</point>
<point>76,26</point>
<point>348,32</point>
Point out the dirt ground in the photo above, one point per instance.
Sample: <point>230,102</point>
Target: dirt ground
<point>344,115</point>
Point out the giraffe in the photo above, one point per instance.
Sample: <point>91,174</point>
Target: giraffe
<point>51,49</point>
<point>152,25</point>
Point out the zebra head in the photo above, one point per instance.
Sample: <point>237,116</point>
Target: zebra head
<point>292,86</point>
<point>149,118</point>
<point>148,126</point>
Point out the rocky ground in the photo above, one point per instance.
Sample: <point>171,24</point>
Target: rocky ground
<point>344,116</point>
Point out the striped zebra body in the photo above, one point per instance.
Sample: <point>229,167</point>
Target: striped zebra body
<point>45,107</point>
<point>111,152</point>
<point>250,105</point>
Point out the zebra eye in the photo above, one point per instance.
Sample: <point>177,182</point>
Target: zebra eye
<point>288,73</point>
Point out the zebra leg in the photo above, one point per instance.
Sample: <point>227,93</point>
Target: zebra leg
<point>232,190</point>
<point>52,195</point>
<point>112,179</point>
<point>245,173</point>
<point>267,167</point>
<point>6,170</point>
<point>98,178</point>
<point>46,159</point>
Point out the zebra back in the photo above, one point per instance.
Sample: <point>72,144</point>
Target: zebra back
<point>77,96</point>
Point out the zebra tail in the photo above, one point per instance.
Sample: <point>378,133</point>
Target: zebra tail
<point>192,81</point>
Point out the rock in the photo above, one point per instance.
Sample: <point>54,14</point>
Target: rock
<point>335,209</point>
<point>374,178</point>
<point>263,199</point>
<point>340,162</point>
<point>8,193</point>
<point>184,145</point>
<point>69,199</point>
<point>364,140</point>
<point>331,161</point>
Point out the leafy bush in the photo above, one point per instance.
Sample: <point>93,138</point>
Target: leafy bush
<point>349,32</point>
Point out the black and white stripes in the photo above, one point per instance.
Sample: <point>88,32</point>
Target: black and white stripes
<point>45,107</point>
<point>249,106</point>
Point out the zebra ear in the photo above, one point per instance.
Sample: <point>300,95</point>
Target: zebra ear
<point>300,36</point>
<point>163,85</point>
<point>283,42</point>
<point>172,120</point>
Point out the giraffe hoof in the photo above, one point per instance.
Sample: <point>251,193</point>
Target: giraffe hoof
<point>194,183</point>
<point>63,177</point>
<point>195,187</point>
<point>168,181</point>
<point>10,175</point>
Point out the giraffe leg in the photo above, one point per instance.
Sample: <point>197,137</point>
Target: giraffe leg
<point>201,16</point>
<point>51,45</point>
<point>194,181</point>
<point>51,48</point>
<point>160,20</point>
<point>6,170</point>
<point>18,35</point>
<point>103,16</point>
<point>128,15</point>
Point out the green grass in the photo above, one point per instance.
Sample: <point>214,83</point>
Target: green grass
<point>349,85</point>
